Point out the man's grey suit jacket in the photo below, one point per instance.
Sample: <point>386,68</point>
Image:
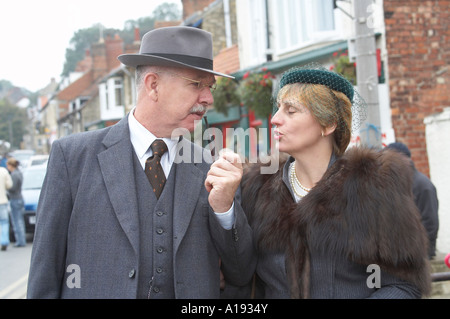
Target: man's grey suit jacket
<point>87,222</point>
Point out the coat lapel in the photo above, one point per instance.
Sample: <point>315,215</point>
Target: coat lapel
<point>116,164</point>
<point>189,182</point>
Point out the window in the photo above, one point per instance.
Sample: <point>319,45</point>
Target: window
<point>298,23</point>
<point>106,97</point>
<point>253,35</point>
<point>258,20</point>
<point>111,93</point>
<point>83,101</point>
<point>118,92</point>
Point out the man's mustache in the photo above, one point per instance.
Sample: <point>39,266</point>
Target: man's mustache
<point>198,109</point>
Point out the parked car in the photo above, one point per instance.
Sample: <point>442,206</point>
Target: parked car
<point>38,160</point>
<point>33,178</point>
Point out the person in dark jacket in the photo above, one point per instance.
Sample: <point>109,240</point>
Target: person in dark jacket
<point>332,222</point>
<point>425,196</point>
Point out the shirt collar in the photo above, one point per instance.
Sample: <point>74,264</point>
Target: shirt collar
<point>141,139</point>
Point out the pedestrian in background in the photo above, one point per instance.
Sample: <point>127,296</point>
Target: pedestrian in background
<point>425,196</point>
<point>4,160</point>
<point>16,202</point>
<point>5,184</point>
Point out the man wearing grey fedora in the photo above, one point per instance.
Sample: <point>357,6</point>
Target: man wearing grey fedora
<point>130,211</point>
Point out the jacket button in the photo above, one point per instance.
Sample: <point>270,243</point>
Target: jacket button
<point>235,234</point>
<point>132,273</point>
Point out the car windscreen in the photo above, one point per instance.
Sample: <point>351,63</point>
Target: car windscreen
<point>33,179</point>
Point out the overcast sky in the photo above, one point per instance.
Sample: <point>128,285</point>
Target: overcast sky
<point>34,34</point>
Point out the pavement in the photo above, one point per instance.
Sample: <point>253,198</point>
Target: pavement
<point>14,267</point>
<point>441,289</point>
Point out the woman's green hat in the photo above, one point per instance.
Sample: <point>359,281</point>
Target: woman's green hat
<point>316,76</point>
<point>315,73</point>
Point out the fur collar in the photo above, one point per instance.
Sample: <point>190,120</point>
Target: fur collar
<point>362,208</point>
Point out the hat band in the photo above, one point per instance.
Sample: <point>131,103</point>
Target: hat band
<point>186,59</point>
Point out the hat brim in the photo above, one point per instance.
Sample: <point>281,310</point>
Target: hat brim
<point>134,60</point>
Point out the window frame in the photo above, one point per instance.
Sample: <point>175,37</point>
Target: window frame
<point>282,15</point>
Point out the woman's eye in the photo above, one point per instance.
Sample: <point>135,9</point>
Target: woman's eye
<point>291,110</point>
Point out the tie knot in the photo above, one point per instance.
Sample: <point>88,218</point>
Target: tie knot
<point>158,147</point>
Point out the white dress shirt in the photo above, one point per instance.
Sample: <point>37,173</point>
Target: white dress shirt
<point>141,139</point>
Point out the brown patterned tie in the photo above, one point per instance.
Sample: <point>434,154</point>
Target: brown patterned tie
<point>153,168</point>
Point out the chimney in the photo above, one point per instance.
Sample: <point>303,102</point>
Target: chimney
<point>134,47</point>
<point>99,63</point>
<point>85,64</point>
<point>114,48</point>
<point>137,35</point>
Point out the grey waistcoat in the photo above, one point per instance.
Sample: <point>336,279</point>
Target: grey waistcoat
<point>155,272</point>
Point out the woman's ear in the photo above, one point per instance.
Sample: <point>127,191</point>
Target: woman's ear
<point>328,130</point>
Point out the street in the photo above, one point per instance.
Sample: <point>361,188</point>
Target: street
<point>14,266</point>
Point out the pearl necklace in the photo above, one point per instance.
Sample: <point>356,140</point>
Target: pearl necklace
<point>294,181</point>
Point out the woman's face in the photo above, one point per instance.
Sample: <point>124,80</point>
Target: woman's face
<point>296,129</point>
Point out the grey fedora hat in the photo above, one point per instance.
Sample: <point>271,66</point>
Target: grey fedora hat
<point>180,46</point>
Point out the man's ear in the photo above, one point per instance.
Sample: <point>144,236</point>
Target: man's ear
<point>151,81</point>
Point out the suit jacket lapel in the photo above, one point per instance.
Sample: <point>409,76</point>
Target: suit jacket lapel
<point>188,184</point>
<point>116,164</point>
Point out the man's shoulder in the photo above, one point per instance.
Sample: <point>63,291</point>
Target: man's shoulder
<point>83,139</point>
<point>422,182</point>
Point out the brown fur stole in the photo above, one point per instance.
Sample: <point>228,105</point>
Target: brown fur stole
<point>362,208</point>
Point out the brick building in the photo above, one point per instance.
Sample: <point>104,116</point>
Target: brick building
<point>191,6</point>
<point>77,102</point>
<point>418,46</point>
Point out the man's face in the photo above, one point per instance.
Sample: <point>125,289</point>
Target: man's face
<point>183,98</point>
